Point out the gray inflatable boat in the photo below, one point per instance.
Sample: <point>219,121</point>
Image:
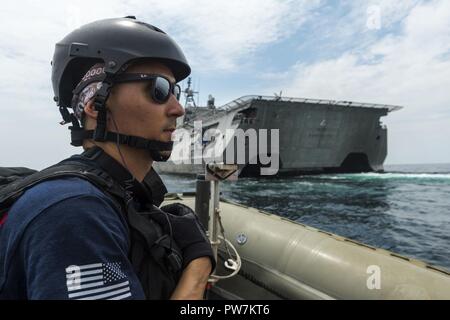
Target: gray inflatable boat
<point>282,259</point>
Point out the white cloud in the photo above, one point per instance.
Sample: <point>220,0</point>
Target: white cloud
<point>216,35</point>
<point>220,35</point>
<point>390,11</point>
<point>410,69</point>
<point>351,25</point>
<point>29,32</point>
<point>29,130</point>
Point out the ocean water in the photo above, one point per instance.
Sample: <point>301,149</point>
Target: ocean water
<point>405,210</point>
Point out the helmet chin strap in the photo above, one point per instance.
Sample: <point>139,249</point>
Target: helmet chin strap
<point>154,147</point>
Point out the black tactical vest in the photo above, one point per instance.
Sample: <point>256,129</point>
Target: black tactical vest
<point>153,253</point>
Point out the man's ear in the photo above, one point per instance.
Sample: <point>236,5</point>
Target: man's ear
<point>90,111</point>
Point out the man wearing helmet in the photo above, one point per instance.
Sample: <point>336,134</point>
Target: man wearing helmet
<point>98,233</point>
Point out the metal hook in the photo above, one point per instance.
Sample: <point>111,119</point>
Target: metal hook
<point>231,264</point>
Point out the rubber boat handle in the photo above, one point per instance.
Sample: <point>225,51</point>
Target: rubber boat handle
<point>231,264</point>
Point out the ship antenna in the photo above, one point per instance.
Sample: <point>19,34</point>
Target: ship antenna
<point>278,96</point>
<point>189,94</point>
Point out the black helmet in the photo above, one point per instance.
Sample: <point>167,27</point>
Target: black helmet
<point>116,43</point>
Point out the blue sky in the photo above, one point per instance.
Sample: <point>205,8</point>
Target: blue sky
<point>390,52</point>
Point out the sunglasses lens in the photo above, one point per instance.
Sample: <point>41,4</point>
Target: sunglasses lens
<point>161,90</point>
<point>177,92</point>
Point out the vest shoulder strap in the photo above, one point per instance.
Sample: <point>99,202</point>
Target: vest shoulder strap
<point>11,192</point>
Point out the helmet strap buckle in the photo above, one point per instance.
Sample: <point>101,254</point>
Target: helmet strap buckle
<point>100,132</point>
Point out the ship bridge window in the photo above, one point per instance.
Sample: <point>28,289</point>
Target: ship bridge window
<point>247,116</point>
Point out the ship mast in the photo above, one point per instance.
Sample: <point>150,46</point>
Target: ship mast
<point>189,94</point>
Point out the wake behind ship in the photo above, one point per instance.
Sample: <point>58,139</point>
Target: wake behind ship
<point>315,136</point>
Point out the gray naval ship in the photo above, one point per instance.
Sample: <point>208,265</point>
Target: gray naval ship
<point>315,136</point>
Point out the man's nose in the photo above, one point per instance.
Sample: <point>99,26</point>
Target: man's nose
<point>175,108</point>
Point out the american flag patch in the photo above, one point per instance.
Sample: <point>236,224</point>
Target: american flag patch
<point>97,281</point>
